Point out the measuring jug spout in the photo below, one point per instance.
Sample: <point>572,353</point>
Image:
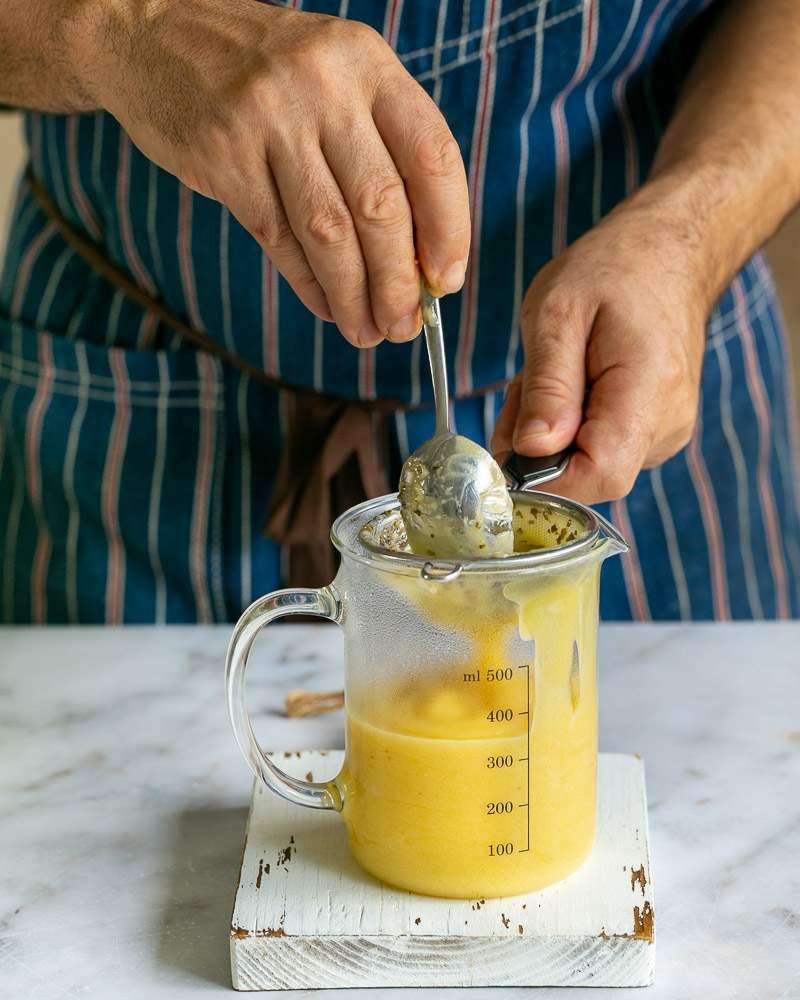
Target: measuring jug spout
<point>613,542</point>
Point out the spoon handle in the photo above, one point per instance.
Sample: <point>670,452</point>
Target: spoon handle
<point>432,320</point>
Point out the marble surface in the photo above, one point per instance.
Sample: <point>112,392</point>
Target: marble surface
<point>123,801</point>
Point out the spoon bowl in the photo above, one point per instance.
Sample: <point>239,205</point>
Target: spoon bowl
<point>454,499</point>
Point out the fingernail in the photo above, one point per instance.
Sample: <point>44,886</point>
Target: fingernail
<point>369,336</point>
<point>405,329</point>
<point>453,277</point>
<point>535,428</point>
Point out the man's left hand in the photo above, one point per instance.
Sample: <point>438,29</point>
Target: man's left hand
<point>614,334</point>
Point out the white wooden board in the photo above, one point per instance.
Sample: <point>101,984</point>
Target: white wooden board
<point>306,916</point>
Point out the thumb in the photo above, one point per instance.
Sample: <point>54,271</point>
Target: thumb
<point>553,377</point>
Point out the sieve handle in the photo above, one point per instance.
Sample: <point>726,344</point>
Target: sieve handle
<point>321,603</point>
<point>523,472</point>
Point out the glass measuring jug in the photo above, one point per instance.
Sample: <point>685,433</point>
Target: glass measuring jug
<point>471,700</point>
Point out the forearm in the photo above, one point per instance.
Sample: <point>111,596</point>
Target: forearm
<point>41,54</point>
<point>53,53</point>
<point>728,168</point>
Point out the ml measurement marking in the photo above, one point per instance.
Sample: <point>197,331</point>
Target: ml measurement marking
<point>527,805</point>
<point>504,762</point>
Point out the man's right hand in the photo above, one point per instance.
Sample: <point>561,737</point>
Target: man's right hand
<point>310,131</point>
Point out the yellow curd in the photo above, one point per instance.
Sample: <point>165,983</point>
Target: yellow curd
<point>479,779</point>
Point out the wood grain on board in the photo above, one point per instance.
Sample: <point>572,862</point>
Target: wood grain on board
<point>306,916</point>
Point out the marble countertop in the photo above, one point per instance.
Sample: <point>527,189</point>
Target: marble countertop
<point>123,801</point>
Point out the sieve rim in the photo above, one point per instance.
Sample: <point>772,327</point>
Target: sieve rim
<point>597,531</point>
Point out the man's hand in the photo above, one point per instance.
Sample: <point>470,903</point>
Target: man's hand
<point>621,314</point>
<point>613,332</point>
<point>309,129</point>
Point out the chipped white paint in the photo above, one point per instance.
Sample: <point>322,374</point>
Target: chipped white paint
<point>306,916</point>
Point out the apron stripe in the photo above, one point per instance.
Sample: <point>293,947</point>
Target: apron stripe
<point>34,469</point>
<point>393,15</point>
<point>453,417</point>
<point>416,360</point>
<point>114,312</point>
<point>17,496</point>
<point>786,443</point>
<point>132,258</point>
<point>477,168</point>
<point>631,566</point>
<point>185,205</point>
<point>3,446</point>
<point>44,539</point>
<point>755,388</point>
<point>401,430</point>
<point>283,424</point>
<point>620,85</point>
<point>441,21</point>
<point>31,473</point>
<point>97,161</point>
<point>246,568</point>
<point>74,514</point>
<point>783,347</point>
<point>215,540</point>
<point>147,330</point>
<point>225,277</point>
<point>591,108</point>
<point>561,128</point>
<point>366,373</point>
<point>740,471</point>
<point>709,511</point>
<point>53,282</point>
<point>488,416</point>
<point>283,413</point>
<point>673,548</point>
<point>26,265</point>
<point>79,198</point>
<point>269,316</point>
<point>151,214</point>
<point>319,347</point>
<point>522,179</point>
<point>57,170</point>
<point>465,32</point>
<point>203,472</point>
<point>110,489</point>
<point>156,483</point>
<point>17,239</point>
<point>647,77</point>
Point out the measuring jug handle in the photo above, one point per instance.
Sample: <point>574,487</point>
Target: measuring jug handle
<point>321,603</point>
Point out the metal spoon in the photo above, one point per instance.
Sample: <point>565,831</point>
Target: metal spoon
<point>453,496</point>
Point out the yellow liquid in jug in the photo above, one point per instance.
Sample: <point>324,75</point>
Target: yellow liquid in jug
<point>445,798</point>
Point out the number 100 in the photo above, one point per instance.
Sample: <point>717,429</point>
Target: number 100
<point>498,850</point>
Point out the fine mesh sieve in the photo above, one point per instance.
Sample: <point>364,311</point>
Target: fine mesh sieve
<point>547,529</point>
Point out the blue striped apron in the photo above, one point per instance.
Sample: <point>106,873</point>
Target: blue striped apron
<point>135,472</point>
